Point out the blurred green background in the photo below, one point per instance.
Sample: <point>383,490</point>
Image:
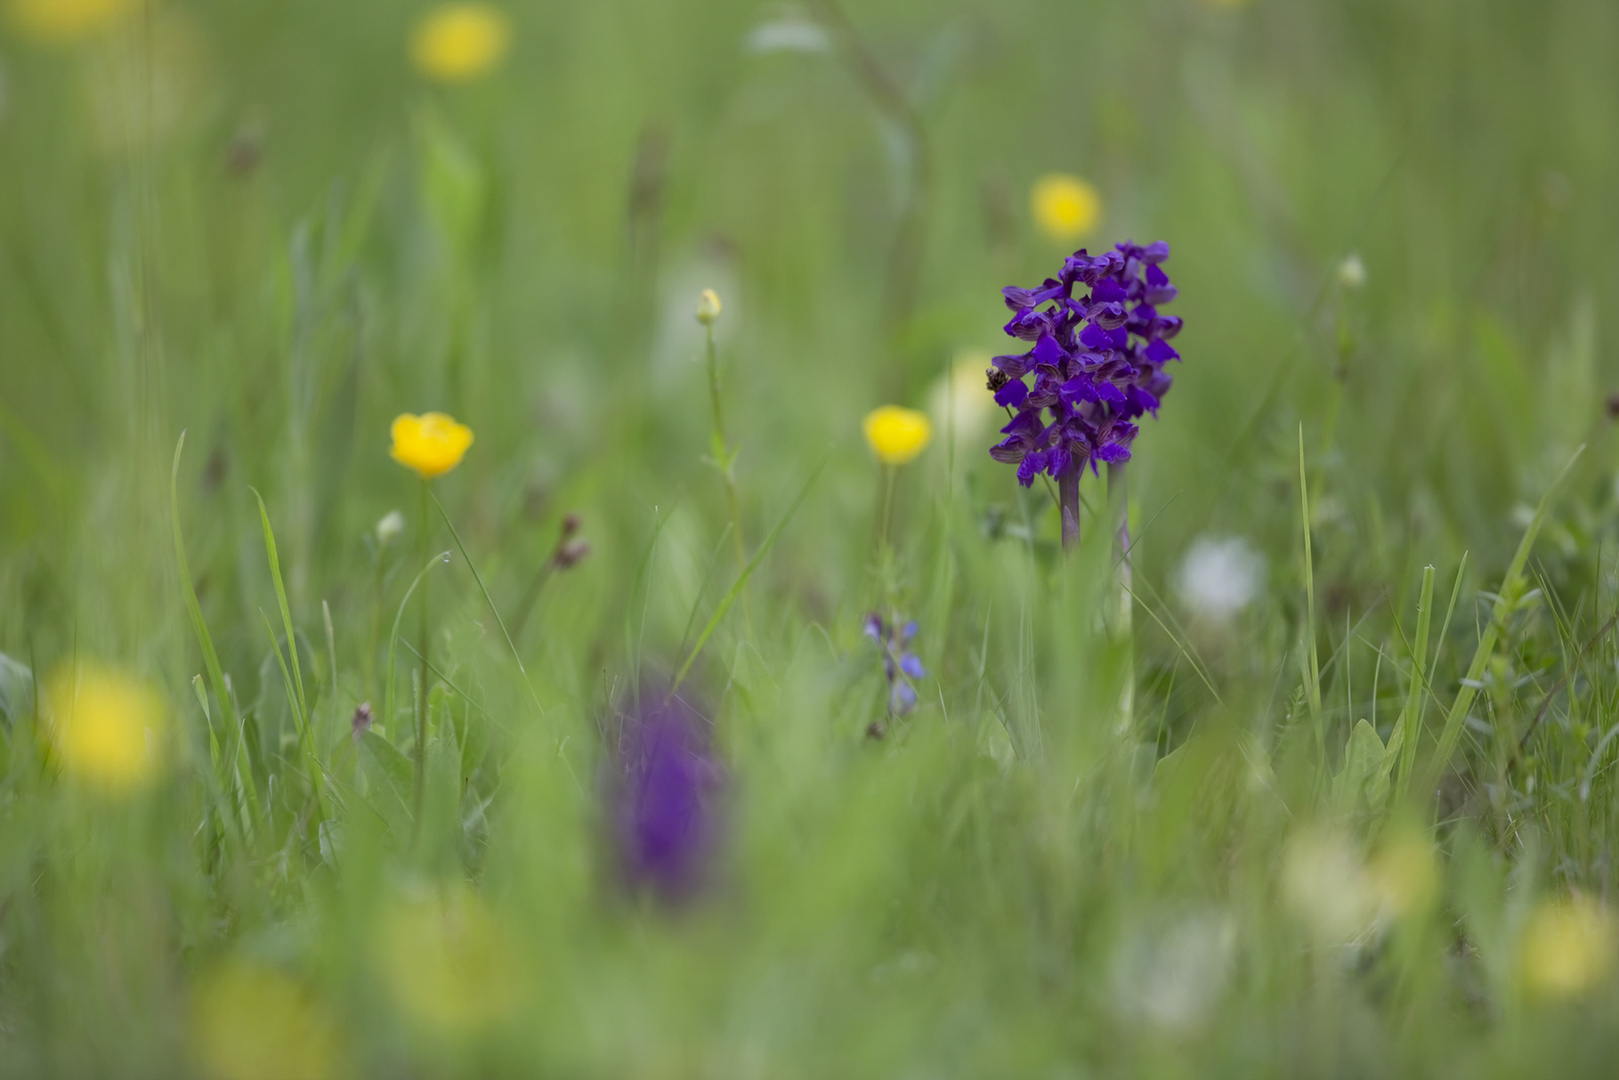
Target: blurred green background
<point>259,223</point>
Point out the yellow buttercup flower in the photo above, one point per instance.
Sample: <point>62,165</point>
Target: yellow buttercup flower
<point>447,959</point>
<point>432,443</point>
<point>250,1023</point>
<point>459,42</point>
<point>896,434</point>
<point>1568,947</point>
<point>1065,207</point>
<point>1403,874</point>
<point>104,726</point>
<point>63,22</point>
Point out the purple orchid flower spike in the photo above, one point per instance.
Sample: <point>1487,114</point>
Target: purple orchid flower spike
<point>664,796</point>
<point>1098,363</point>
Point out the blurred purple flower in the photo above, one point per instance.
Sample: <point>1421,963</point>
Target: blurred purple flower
<point>900,665</point>
<point>1098,361</point>
<point>664,798</point>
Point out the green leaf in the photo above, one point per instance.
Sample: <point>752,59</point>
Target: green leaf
<point>1365,773</point>
<point>391,780</point>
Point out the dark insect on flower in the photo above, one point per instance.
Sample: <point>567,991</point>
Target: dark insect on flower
<point>1097,360</point>
<point>900,665</point>
<point>997,379</point>
<point>664,797</point>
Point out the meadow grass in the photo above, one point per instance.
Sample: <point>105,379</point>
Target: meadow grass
<point>1354,820</point>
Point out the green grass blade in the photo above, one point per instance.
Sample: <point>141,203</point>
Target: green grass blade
<point>246,788</point>
<point>747,571</point>
<point>1309,663</point>
<point>1504,600</point>
<point>488,600</point>
<point>286,609</point>
<point>393,638</point>
<point>1410,725</point>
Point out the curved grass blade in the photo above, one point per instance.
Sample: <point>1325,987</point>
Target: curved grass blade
<point>393,650</point>
<point>246,789</point>
<point>742,578</point>
<point>1504,601</point>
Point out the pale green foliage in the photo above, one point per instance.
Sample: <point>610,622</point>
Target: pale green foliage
<point>1337,815</point>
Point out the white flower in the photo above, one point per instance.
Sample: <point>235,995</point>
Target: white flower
<point>389,528</point>
<point>1220,576</point>
<point>1352,272</point>
<point>788,35</point>
<point>1326,885</point>
<point>1172,977</point>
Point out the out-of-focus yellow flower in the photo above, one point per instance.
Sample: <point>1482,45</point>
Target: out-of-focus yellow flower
<point>169,59</point>
<point>250,1023</point>
<point>104,726</point>
<point>64,22</point>
<point>1065,207</point>
<point>897,434</point>
<point>708,306</point>
<point>448,961</point>
<point>1403,875</point>
<point>1568,947</point>
<point>432,443</point>
<point>459,42</point>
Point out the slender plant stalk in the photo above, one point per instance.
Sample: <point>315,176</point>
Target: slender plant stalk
<point>1068,503</point>
<point>724,459</point>
<point>1118,500</point>
<point>1309,661</point>
<point>244,788</point>
<point>490,600</point>
<point>1511,590</point>
<point>1410,725</point>
<point>419,698</point>
<point>742,579</point>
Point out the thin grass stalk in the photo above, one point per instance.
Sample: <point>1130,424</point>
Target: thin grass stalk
<point>1505,600</point>
<point>419,690</point>
<point>1410,723</point>
<point>1308,659</point>
<point>1118,500</point>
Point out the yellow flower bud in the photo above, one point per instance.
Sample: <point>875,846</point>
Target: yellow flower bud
<point>896,434</point>
<point>708,306</point>
<point>63,22</point>
<point>459,42</point>
<point>1568,947</point>
<point>432,443</point>
<point>1065,207</point>
<point>104,727</point>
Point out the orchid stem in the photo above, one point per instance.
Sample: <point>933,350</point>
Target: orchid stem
<point>1068,503</point>
<point>1118,500</point>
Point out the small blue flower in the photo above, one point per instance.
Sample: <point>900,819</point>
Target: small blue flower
<point>900,664</point>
